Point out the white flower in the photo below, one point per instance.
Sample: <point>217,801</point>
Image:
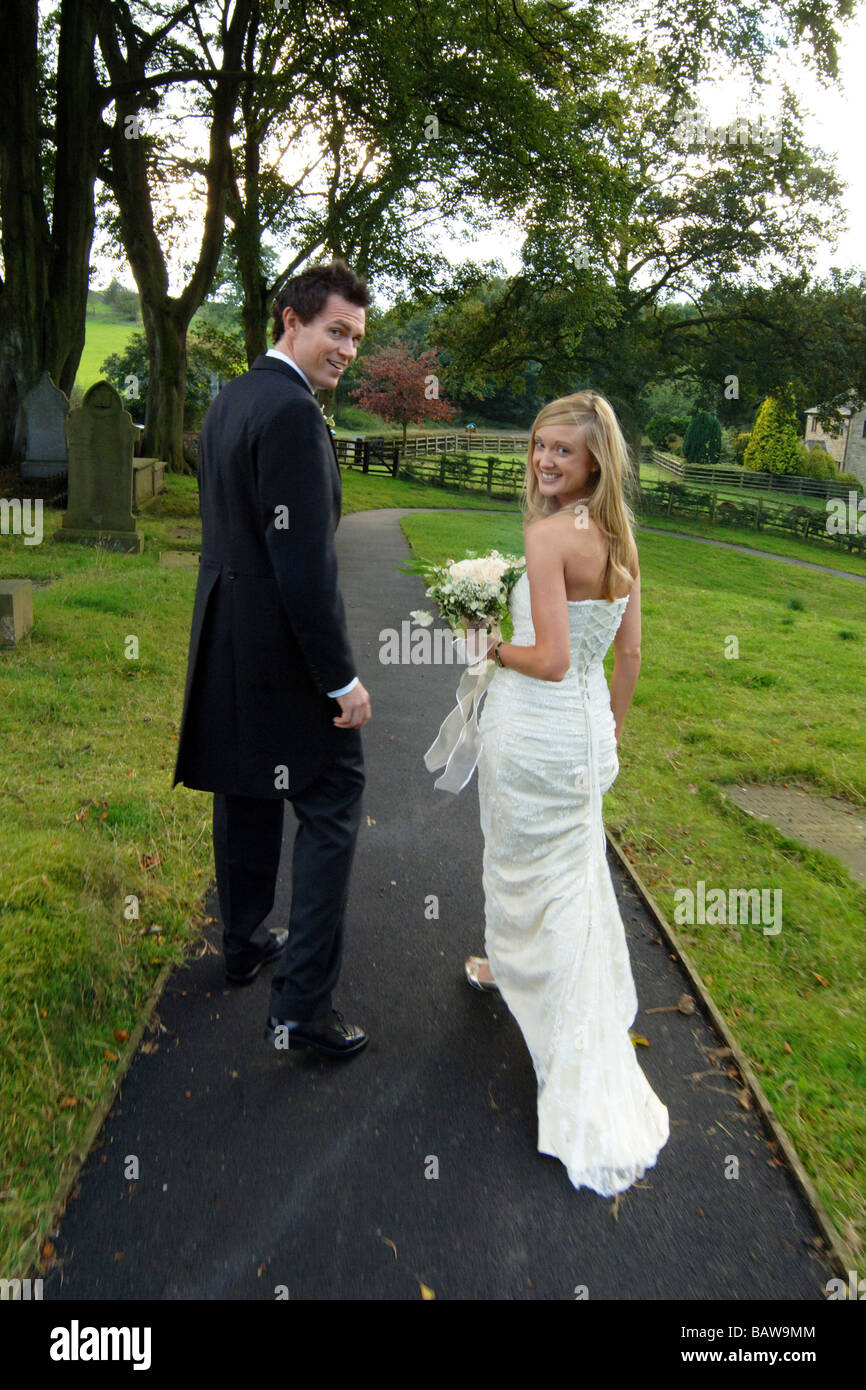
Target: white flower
<point>488,569</point>
<point>421,617</point>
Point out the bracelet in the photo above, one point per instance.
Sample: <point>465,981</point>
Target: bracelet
<point>496,657</point>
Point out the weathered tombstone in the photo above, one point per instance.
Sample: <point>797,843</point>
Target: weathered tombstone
<point>16,610</point>
<point>100,435</point>
<point>44,409</point>
<point>179,559</point>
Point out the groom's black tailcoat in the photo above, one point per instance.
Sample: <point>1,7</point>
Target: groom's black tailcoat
<point>268,635</point>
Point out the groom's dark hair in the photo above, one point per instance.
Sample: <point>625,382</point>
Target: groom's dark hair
<point>308,293</point>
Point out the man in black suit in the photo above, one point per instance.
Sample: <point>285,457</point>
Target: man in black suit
<point>273,707</point>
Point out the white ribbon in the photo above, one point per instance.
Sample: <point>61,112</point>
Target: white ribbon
<point>457,746</point>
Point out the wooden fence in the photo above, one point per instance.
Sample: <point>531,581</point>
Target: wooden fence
<point>806,522</point>
<point>746,477</point>
<point>466,442</point>
<point>493,476</point>
<point>456,471</point>
<point>368,455</point>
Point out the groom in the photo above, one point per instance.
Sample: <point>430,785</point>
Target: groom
<point>273,707</point>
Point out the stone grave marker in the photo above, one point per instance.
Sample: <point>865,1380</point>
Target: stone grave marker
<point>16,610</point>
<point>100,435</point>
<point>45,408</point>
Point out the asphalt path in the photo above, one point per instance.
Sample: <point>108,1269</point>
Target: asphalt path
<point>263,1171</point>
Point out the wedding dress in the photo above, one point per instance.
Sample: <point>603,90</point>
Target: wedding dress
<point>554,935</point>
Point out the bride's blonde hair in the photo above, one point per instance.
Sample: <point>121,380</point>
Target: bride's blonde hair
<point>612,474</point>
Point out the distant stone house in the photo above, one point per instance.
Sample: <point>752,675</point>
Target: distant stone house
<point>848,447</point>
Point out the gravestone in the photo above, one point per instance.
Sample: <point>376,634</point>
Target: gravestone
<point>100,435</point>
<point>16,610</point>
<point>44,409</point>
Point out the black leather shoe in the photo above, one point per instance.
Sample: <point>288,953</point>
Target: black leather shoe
<point>279,936</point>
<point>329,1035</point>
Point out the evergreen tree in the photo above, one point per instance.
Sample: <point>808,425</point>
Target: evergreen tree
<point>702,442</point>
<point>774,445</point>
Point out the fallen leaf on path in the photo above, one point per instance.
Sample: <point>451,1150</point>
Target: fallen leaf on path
<point>392,1245</point>
<point>638,1039</point>
<point>426,1291</point>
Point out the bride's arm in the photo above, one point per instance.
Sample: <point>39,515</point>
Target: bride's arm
<point>626,661</point>
<point>550,658</point>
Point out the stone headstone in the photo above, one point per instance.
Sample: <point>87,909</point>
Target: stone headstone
<point>179,559</point>
<point>44,409</point>
<point>100,435</point>
<point>16,610</point>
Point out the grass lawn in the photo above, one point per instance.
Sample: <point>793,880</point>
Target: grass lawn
<point>816,552</point>
<point>103,336</point>
<point>789,708</point>
<point>90,824</point>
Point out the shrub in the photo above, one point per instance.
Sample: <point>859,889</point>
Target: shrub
<point>702,442</point>
<point>774,446</point>
<point>816,463</point>
<point>663,429</point>
<point>740,444</point>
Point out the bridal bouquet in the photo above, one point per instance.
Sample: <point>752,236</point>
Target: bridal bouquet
<point>472,592</point>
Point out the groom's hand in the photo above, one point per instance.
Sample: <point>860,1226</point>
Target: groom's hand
<point>354,709</point>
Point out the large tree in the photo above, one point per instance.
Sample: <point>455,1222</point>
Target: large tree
<point>402,387</point>
<point>49,147</point>
<point>444,113</point>
<point>137,160</point>
<point>593,302</point>
<point>746,341</point>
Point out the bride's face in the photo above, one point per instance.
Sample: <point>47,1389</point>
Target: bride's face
<point>562,463</point>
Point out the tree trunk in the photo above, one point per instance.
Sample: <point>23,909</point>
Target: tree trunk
<point>166,390</point>
<point>43,300</point>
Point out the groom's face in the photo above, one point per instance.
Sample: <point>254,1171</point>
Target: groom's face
<point>324,347</point>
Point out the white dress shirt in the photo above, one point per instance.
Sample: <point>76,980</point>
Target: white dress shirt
<point>284,357</point>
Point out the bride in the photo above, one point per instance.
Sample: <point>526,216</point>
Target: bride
<point>555,941</point>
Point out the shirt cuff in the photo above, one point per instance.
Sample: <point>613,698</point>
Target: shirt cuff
<point>332,694</point>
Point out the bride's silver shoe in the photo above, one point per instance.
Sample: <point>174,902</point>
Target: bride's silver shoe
<point>471,968</point>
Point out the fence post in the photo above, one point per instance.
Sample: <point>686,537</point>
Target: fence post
<point>396,462</point>
<point>758,515</point>
<point>490,477</point>
<point>442,471</point>
<point>365,466</point>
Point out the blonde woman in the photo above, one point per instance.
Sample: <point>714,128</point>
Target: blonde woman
<point>555,941</point>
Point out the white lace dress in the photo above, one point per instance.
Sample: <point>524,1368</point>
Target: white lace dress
<point>554,935</point>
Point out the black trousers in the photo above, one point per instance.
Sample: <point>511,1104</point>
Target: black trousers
<point>247,840</point>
